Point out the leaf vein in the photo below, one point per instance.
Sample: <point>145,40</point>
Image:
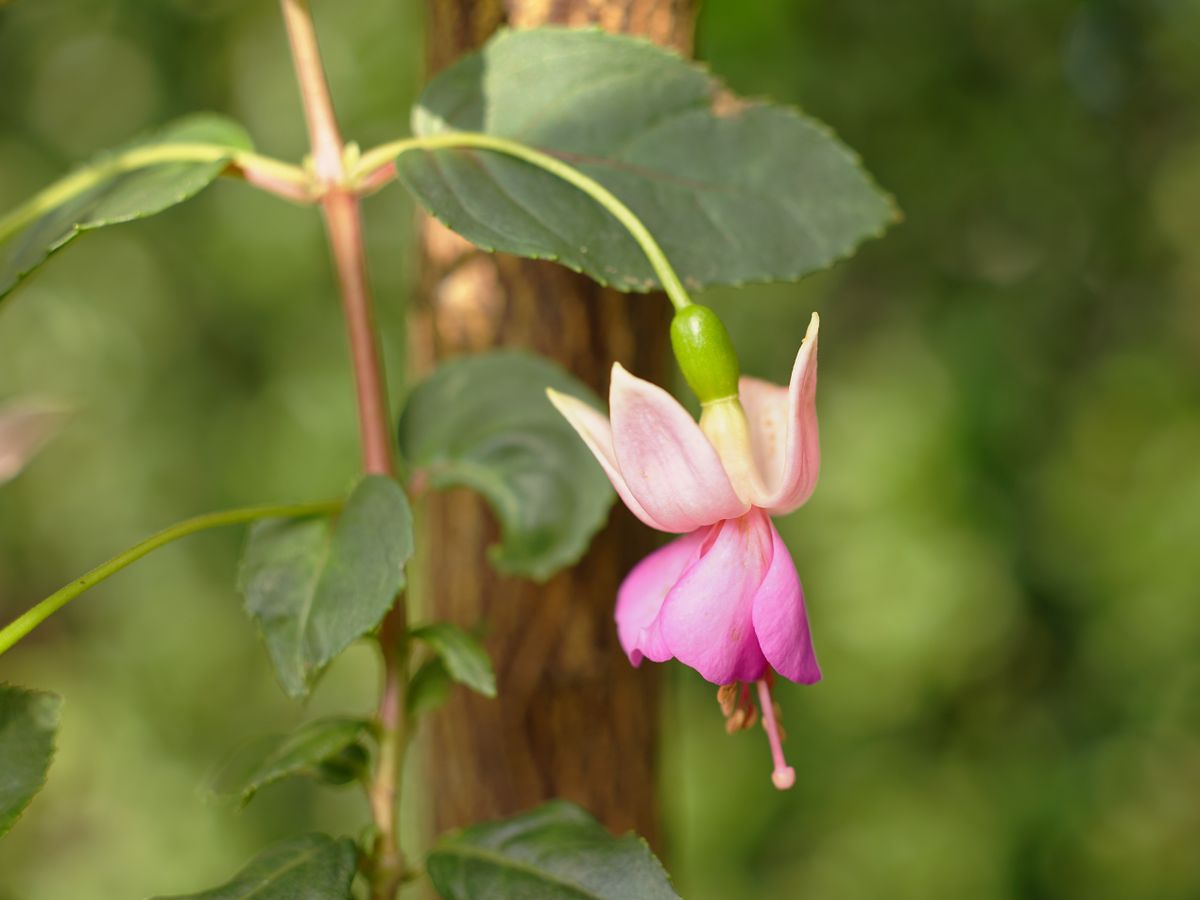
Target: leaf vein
<point>500,861</point>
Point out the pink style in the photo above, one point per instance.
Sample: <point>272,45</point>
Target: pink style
<point>725,598</point>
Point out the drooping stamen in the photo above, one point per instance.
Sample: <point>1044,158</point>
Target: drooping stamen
<point>737,705</point>
<point>784,776</point>
<point>727,695</point>
<point>748,705</point>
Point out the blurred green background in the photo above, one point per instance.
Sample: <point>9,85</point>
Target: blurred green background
<point>1001,559</point>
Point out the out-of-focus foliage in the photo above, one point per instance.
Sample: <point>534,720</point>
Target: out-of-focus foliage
<point>333,750</point>
<point>485,422</point>
<point>102,194</point>
<point>314,865</point>
<point>28,721</point>
<point>1000,557</point>
<point>461,654</point>
<point>203,358</point>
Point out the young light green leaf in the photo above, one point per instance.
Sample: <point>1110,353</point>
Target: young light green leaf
<point>484,422</point>
<point>315,586</point>
<point>28,725</point>
<point>312,867</point>
<point>554,852</point>
<point>734,191</point>
<point>331,750</point>
<point>106,192</point>
<point>428,688</point>
<point>464,657</point>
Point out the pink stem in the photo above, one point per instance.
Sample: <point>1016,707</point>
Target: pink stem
<point>344,226</point>
<point>343,223</point>
<point>280,187</point>
<point>373,181</point>
<point>784,775</point>
<point>314,91</point>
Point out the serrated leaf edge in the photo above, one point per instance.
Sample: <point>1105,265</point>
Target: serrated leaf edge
<point>716,87</point>
<point>470,851</point>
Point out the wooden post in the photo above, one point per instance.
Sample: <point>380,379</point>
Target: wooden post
<point>573,718</point>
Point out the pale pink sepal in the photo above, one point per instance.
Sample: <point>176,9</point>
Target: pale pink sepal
<point>668,464</point>
<point>596,432</point>
<point>780,620</point>
<point>783,429</point>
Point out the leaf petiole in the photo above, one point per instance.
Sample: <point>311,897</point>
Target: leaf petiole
<point>378,158</point>
<point>21,626</point>
<point>271,174</point>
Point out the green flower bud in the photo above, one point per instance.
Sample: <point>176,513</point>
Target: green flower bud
<point>705,353</point>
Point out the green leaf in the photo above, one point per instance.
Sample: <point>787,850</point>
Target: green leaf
<point>351,763</point>
<point>429,688</point>
<point>314,586</point>
<point>485,422</point>
<point>464,657</point>
<point>734,191</point>
<point>312,867</point>
<point>554,852</point>
<point>28,724</point>
<point>330,750</point>
<point>109,194</point>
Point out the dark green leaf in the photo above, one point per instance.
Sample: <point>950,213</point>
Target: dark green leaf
<point>314,586</point>
<point>351,763</point>
<point>429,687</point>
<point>733,191</point>
<point>465,659</point>
<point>554,852</point>
<point>121,196</point>
<point>330,750</point>
<point>312,867</point>
<point>484,422</point>
<point>28,724</point>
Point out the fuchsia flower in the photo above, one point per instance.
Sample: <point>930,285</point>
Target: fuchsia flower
<point>724,599</point>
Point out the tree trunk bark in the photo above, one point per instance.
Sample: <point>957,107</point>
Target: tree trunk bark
<point>573,719</point>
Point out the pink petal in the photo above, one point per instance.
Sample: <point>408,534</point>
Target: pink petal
<point>780,620</point>
<point>597,434</point>
<point>706,619</point>
<point>668,463</point>
<point>783,429</point>
<point>643,591</point>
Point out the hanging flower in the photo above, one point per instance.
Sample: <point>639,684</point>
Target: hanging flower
<point>724,599</point>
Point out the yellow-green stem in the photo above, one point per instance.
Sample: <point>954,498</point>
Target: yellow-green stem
<point>25,623</point>
<point>375,159</point>
<point>139,158</point>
